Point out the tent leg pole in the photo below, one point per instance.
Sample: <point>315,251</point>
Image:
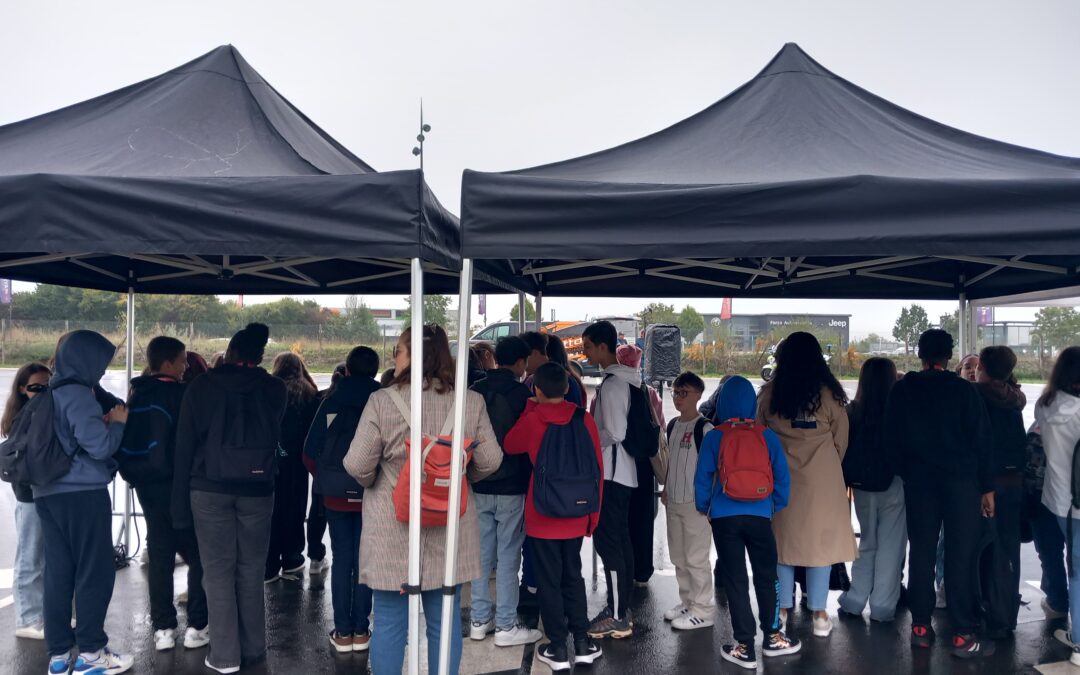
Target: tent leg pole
<point>456,469</point>
<point>963,325</point>
<point>539,309</point>
<point>521,312</point>
<point>129,358</point>
<point>416,383</point>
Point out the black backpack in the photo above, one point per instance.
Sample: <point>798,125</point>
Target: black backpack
<point>146,450</point>
<point>642,439</point>
<point>699,431</point>
<point>566,478</point>
<point>331,478</point>
<point>246,439</point>
<point>32,453</point>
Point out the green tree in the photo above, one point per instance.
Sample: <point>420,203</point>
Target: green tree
<point>436,311</point>
<point>911,323</point>
<point>356,323</point>
<point>530,311</point>
<point>657,312</point>
<point>950,323</point>
<point>1057,327</point>
<point>691,323</point>
<point>60,303</point>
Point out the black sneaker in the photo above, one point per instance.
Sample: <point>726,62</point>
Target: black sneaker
<point>740,654</point>
<point>780,644</point>
<point>554,656</point>
<point>586,651</point>
<point>922,636</point>
<point>605,625</point>
<point>969,647</point>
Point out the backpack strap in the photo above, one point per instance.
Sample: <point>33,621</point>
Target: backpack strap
<point>671,427</point>
<point>699,432</point>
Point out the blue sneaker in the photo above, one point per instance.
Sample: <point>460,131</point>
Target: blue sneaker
<point>104,662</point>
<point>60,664</point>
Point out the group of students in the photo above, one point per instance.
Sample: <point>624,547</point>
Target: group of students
<point>217,457</point>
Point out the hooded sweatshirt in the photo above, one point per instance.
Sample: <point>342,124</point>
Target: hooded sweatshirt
<point>738,401</point>
<point>155,390</point>
<point>1005,410</point>
<point>525,439</point>
<point>936,429</point>
<point>79,423</point>
<point>1059,426</point>
<point>205,397</point>
<point>611,404</point>
<point>513,475</point>
<point>350,392</point>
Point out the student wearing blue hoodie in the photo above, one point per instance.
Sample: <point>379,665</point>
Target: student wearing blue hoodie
<point>745,527</point>
<point>76,514</point>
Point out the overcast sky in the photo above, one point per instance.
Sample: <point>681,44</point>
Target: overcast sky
<point>508,85</point>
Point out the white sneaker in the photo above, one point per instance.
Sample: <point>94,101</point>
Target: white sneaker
<point>35,631</point>
<point>1064,637</point>
<point>182,597</point>
<point>822,626</point>
<point>1051,613</point>
<point>164,639</point>
<point>691,621</point>
<point>1074,658</point>
<point>223,669</point>
<point>294,571</point>
<point>518,635</point>
<point>105,662</point>
<point>318,566</point>
<point>675,612</point>
<point>194,638</point>
<point>480,630</point>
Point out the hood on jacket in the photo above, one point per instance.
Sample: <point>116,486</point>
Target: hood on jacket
<point>1004,395</point>
<point>737,399</point>
<point>630,375</point>
<point>239,378</point>
<point>149,383</point>
<point>1065,407</point>
<point>83,356</point>
<point>353,390</point>
<point>556,413</point>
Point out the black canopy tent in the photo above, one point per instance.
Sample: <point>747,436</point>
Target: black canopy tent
<point>797,184</point>
<point>206,180</point>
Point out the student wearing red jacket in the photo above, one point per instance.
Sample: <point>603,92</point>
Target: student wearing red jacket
<point>556,542</point>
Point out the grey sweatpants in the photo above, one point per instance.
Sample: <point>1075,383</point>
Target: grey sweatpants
<point>234,534</point>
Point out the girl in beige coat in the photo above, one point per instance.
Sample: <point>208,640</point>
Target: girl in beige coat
<point>375,459</point>
<point>804,405</point>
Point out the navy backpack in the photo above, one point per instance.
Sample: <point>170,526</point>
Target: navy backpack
<point>566,478</point>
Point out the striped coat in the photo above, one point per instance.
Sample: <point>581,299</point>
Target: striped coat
<point>384,542</point>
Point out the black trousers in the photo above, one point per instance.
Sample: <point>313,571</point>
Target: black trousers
<point>642,519</point>
<point>560,588</point>
<point>163,543</point>
<point>287,523</point>
<point>1008,496</point>
<point>735,538</point>
<point>956,503</point>
<point>316,528</point>
<point>612,542</point>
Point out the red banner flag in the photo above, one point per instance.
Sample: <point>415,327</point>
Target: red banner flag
<point>725,310</point>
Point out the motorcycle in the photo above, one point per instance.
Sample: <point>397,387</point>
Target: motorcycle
<point>769,369</point>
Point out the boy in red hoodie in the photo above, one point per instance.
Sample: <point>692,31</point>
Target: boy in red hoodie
<point>556,541</point>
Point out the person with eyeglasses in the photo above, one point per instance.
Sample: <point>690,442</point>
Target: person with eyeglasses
<point>29,582</point>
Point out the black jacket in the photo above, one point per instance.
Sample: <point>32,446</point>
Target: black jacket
<point>295,424</point>
<point>148,390</point>
<point>866,462</point>
<point>513,475</point>
<point>937,430</point>
<point>205,396</point>
<point>1005,410</point>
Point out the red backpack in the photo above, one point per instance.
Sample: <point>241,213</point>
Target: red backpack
<point>744,470</point>
<point>434,474</point>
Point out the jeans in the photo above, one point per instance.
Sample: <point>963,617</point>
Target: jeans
<point>316,528</point>
<point>1074,576</point>
<point>389,637</point>
<point>29,579</point>
<point>939,561</point>
<point>612,542</point>
<point>875,574</point>
<point>1050,545</point>
<point>737,537</point>
<point>502,533</point>
<point>233,533</point>
<point>163,543</point>
<point>817,586</point>
<point>351,599</point>
<point>563,605</point>
<point>77,528</point>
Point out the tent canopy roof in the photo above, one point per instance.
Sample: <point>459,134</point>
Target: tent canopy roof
<point>799,165</point>
<point>206,180</point>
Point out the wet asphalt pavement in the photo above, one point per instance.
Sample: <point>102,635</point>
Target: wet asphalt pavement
<point>299,617</point>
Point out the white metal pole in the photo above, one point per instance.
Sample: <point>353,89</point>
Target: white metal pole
<point>129,507</point>
<point>416,384</point>
<point>456,468</point>
<point>963,325</point>
<point>521,312</point>
<point>539,309</point>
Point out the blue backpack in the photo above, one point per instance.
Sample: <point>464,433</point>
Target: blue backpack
<point>566,478</point>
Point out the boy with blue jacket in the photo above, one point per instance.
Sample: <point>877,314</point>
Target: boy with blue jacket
<point>745,527</point>
<point>75,511</point>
